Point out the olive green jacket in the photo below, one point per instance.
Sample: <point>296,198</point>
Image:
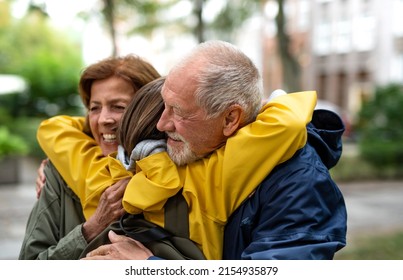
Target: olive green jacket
<point>54,227</point>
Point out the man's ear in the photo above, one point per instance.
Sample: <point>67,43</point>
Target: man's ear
<point>233,119</point>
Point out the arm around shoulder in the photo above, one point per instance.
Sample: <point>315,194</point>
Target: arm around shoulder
<point>63,140</point>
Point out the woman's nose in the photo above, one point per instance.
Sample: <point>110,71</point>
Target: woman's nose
<point>106,117</point>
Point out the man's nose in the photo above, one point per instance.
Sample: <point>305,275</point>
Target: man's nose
<point>164,122</point>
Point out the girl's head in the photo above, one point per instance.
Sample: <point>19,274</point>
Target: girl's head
<point>139,121</point>
<point>106,88</point>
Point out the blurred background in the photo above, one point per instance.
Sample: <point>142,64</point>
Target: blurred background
<point>349,51</point>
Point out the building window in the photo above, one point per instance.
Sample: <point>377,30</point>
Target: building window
<point>342,88</point>
<point>364,27</point>
<point>343,29</point>
<point>304,14</point>
<point>322,83</point>
<point>323,32</point>
<point>397,18</point>
<point>397,68</point>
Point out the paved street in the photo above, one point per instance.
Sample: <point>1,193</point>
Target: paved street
<point>16,202</point>
<point>373,207</point>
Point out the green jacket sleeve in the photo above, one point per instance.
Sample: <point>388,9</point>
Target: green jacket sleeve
<point>54,227</point>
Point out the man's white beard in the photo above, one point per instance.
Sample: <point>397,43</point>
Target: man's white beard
<point>183,156</point>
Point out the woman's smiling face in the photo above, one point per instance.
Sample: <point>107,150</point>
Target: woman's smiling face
<point>109,98</point>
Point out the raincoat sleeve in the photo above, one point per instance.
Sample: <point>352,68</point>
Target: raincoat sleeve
<point>79,159</point>
<point>277,134</point>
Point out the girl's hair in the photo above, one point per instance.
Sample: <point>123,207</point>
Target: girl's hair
<point>131,68</point>
<point>139,121</point>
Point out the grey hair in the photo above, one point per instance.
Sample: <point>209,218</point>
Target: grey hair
<point>225,76</point>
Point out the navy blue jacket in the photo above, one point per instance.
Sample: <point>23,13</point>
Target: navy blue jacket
<point>297,212</point>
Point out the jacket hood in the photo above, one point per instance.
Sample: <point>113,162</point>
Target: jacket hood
<point>325,135</point>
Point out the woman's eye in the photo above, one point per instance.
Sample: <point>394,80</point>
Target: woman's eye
<point>118,108</point>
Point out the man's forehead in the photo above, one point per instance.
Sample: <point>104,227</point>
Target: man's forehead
<point>167,83</point>
<point>179,84</point>
<point>166,88</point>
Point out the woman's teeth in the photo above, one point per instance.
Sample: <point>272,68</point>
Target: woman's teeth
<point>109,137</point>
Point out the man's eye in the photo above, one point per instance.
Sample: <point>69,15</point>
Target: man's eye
<point>177,113</point>
<point>179,117</point>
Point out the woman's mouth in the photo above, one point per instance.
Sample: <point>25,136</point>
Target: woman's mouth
<point>109,138</point>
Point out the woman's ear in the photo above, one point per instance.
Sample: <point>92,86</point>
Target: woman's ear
<point>233,119</point>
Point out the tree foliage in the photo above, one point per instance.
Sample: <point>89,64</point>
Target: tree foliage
<point>232,16</point>
<point>144,17</point>
<point>381,128</point>
<point>11,144</point>
<point>50,62</point>
<point>48,59</point>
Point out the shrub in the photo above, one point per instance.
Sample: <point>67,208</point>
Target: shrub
<point>381,129</point>
<point>11,144</point>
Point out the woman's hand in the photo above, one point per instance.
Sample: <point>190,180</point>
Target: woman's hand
<point>40,179</point>
<point>109,209</point>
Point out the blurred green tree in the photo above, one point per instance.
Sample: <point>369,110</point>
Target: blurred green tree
<point>11,144</point>
<point>48,59</point>
<point>143,17</point>
<point>380,127</point>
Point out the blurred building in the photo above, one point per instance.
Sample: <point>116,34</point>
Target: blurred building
<point>345,47</point>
